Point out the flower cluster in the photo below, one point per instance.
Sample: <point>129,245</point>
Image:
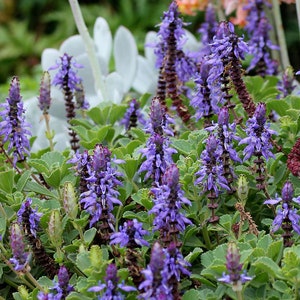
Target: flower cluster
<point>67,73</point>
<point>293,161</point>
<point>157,152</point>
<point>130,235</point>
<point>27,212</point>
<point>168,201</point>
<point>259,135</point>
<point>163,273</point>
<point>13,127</point>
<point>102,191</point>
<point>287,217</point>
<point>235,277</point>
<point>61,288</point>
<point>112,286</point>
<point>133,115</point>
<point>287,83</point>
<point>20,258</point>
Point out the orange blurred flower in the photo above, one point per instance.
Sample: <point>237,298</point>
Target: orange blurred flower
<point>241,13</point>
<point>189,7</point>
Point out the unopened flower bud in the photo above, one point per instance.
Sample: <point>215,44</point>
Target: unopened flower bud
<point>70,200</point>
<point>243,188</point>
<point>45,97</point>
<point>55,229</point>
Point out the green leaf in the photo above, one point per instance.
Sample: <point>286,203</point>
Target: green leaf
<point>183,146</point>
<point>37,188</point>
<point>266,264</point>
<point>54,178</point>
<point>191,294</point>
<point>130,167</point>
<point>275,250</point>
<point>53,159</point>
<point>89,235</point>
<point>281,286</point>
<point>7,181</point>
<point>81,131</point>
<point>279,106</point>
<point>77,296</point>
<point>193,255</point>
<point>23,180</point>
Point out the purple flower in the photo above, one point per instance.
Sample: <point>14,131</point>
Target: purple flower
<point>133,115</point>
<point>286,85</point>
<point>211,170</point>
<point>13,127</point>
<point>130,235</point>
<point>158,156</point>
<point>152,285</point>
<point>168,201</point>
<point>205,100</point>
<point>208,29</point>
<point>260,44</point>
<point>61,287</point>
<point>102,186</point>
<point>259,135</point>
<point>157,152</point>
<point>27,213</point>
<point>169,17</point>
<point>45,97</point>
<point>112,286</point>
<point>163,273</point>
<point>235,277</point>
<point>67,73</point>
<point>20,258</point>
<point>286,213</point>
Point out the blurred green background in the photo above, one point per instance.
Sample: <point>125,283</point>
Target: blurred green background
<point>29,26</point>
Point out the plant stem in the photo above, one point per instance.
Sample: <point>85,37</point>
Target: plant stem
<point>239,295</point>
<point>49,135</point>
<point>34,281</point>
<point>285,62</point>
<point>298,13</point>
<point>90,47</point>
<point>206,237</point>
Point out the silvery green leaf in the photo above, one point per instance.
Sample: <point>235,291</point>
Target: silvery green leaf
<point>191,43</point>
<point>125,55</point>
<point>146,77</point>
<point>103,40</point>
<point>49,58</point>
<point>150,41</point>
<point>114,88</point>
<point>73,46</point>
<point>86,73</point>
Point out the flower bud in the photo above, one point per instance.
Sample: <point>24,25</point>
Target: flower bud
<point>243,188</point>
<point>70,200</point>
<point>55,229</point>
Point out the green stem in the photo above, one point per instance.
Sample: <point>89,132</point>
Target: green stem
<point>298,13</point>
<point>239,295</point>
<point>49,135</point>
<point>285,62</point>
<point>90,47</point>
<point>206,237</point>
<point>34,281</point>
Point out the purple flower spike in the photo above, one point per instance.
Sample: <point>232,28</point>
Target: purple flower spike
<point>45,97</point>
<point>102,194</point>
<point>61,287</point>
<point>67,72</point>
<point>168,201</point>
<point>235,277</point>
<point>27,212</point>
<point>130,235</point>
<point>111,286</point>
<point>211,171</point>
<point>152,286</point>
<point>13,127</point>
<point>287,217</point>
<point>133,115</point>
<point>20,258</point>
<point>286,85</point>
<point>259,135</point>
